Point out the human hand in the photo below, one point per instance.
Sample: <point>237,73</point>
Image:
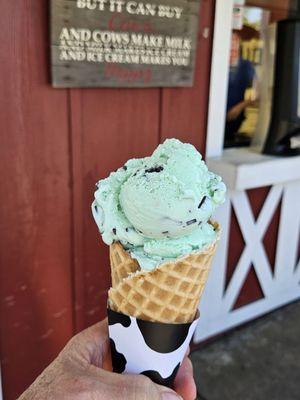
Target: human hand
<point>236,110</point>
<point>82,371</point>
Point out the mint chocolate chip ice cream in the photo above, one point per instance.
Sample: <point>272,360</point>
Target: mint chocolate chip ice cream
<point>158,207</point>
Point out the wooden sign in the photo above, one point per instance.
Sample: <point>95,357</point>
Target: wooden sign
<point>121,43</point>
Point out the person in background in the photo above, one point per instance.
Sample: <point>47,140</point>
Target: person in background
<point>82,371</point>
<point>241,76</point>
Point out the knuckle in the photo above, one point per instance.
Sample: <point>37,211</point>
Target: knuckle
<point>143,388</point>
<point>73,342</point>
<point>142,380</point>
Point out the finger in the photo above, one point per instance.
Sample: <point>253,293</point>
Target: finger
<point>106,360</point>
<point>99,350</point>
<point>187,351</point>
<point>131,387</point>
<point>91,345</point>
<point>184,382</point>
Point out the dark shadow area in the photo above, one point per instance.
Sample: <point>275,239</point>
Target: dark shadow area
<point>259,361</point>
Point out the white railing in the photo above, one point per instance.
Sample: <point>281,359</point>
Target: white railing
<point>244,169</point>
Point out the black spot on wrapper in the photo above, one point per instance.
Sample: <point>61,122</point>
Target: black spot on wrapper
<point>157,378</point>
<point>163,338</point>
<point>118,359</point>
<point>118,318</point>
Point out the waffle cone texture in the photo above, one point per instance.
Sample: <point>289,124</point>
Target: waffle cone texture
<point>170,293</point>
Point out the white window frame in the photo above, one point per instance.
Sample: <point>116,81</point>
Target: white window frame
<point>219,78</point>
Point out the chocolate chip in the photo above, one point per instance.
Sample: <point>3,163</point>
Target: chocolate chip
<point>125,168</point>
<point>192,221</point>
<point>96,208</point>
<point>114,231</point>
<point>126,229</point>
<point>202,201</point>
<point>165,232</point>
<point>154,169</point>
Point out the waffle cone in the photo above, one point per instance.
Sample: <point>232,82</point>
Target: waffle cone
<point>122,265</point>
<point>169,293</point>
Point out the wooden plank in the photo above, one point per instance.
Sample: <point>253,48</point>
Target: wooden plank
<point>289,231</point>
<point>134,44</point>
<point>76,141</point>
<point>184,110</point>
<point>35,271</point>
<point>115,124</point>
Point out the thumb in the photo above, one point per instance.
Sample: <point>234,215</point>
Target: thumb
<point>132,387</point>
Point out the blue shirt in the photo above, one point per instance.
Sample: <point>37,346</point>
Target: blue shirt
<point>240,78</point>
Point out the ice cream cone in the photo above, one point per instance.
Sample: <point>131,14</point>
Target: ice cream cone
<point>122,265</point>
<point>170,293</point>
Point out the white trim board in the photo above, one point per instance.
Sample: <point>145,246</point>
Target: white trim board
<point>245,168</point>
<point>219,78</point>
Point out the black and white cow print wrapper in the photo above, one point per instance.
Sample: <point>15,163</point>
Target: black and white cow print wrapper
<point>153,349</point>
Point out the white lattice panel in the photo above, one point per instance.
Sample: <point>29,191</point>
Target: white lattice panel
<point>243,169</point>
<point>280,287</point>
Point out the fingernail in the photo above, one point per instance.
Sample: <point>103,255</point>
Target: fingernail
<point>170,396</point>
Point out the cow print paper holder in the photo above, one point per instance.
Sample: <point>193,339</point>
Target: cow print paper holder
<point>153,349</point>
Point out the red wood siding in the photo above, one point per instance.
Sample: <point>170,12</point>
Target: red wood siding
<point>55,144</point>
<point>36,316</point>
<point>184,110</point>
<point>115,125</point>
<point>112,126</point>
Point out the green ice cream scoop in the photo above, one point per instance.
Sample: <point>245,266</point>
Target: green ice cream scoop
<point>158,207</point>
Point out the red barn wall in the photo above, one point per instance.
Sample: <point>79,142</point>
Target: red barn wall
<point>55,144</point>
